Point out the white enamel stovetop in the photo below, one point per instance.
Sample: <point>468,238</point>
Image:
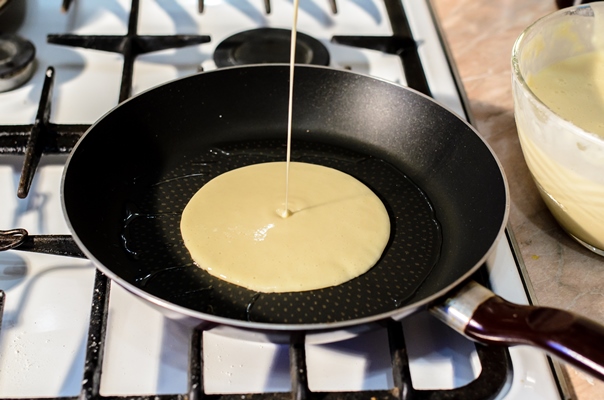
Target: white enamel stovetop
<point>43,332</point>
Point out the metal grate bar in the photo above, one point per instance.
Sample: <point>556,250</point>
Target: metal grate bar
<point>401,374</point>
<point>95,346</point>
<point>297,368</point>
<point>60,139</point>
<point>196,389</point>
<point>401,43</point>
<point>129,50</point>
<point>130,46</point>
<point>2,297</point>
<point>65,5</point>
<point>412,65</point>
<point>39,138</point>
<point>333,5</point>
<point>494,378</point>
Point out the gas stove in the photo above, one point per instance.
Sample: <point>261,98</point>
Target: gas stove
<point>66,332</point>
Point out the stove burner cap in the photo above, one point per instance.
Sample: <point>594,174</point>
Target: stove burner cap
<point>16,61</point>
<point>268,45</point>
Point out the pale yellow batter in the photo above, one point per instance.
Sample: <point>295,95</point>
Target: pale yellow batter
<point>574,89</point>
<point>577,202</point>
<point>337,228</point>
<point>572,183</point>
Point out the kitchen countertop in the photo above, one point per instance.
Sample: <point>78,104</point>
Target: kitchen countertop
<point>564,275</point>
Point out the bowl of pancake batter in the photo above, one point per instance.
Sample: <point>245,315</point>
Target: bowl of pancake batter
<point>558,87</point>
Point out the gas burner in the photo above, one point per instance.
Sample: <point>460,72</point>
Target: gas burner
<point>269,45</point>
<point>16,61</point>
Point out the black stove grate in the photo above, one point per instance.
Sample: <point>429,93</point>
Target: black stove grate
<point>40,137</point>
<point>494,378</point>
<point>44,137</point>
<point>130,45</point>
<point>201,6</point>
<point>401,43</point>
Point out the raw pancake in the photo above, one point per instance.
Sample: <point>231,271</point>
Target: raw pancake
<point>337,230</point>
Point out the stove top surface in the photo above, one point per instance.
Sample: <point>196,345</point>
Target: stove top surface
<point>48,348</point>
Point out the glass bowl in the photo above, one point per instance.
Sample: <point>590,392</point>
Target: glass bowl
<point>565,154</point>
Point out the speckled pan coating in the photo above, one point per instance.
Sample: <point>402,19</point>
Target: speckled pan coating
<point>154,240</point>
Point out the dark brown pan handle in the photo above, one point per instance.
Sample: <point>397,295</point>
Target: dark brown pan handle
<point>485,317</point>
<point>59,245</point>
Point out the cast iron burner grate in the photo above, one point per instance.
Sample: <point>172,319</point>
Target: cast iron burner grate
<point>201,6</point>
<point>401,43</point>
<point>130,45</point>
<point>45,137</point>
<point>494,378</point>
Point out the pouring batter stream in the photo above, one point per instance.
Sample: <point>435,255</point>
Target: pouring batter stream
<point>330,229</point>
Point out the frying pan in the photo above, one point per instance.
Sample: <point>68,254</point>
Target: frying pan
<point>130,176</point>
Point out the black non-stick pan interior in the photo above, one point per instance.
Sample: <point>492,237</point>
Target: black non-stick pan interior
<point>441,185</point>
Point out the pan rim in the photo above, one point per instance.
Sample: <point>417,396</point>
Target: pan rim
<point>396,314</point>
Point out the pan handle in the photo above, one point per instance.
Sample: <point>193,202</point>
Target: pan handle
<point>482,316</point>
<point>59,245</point>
